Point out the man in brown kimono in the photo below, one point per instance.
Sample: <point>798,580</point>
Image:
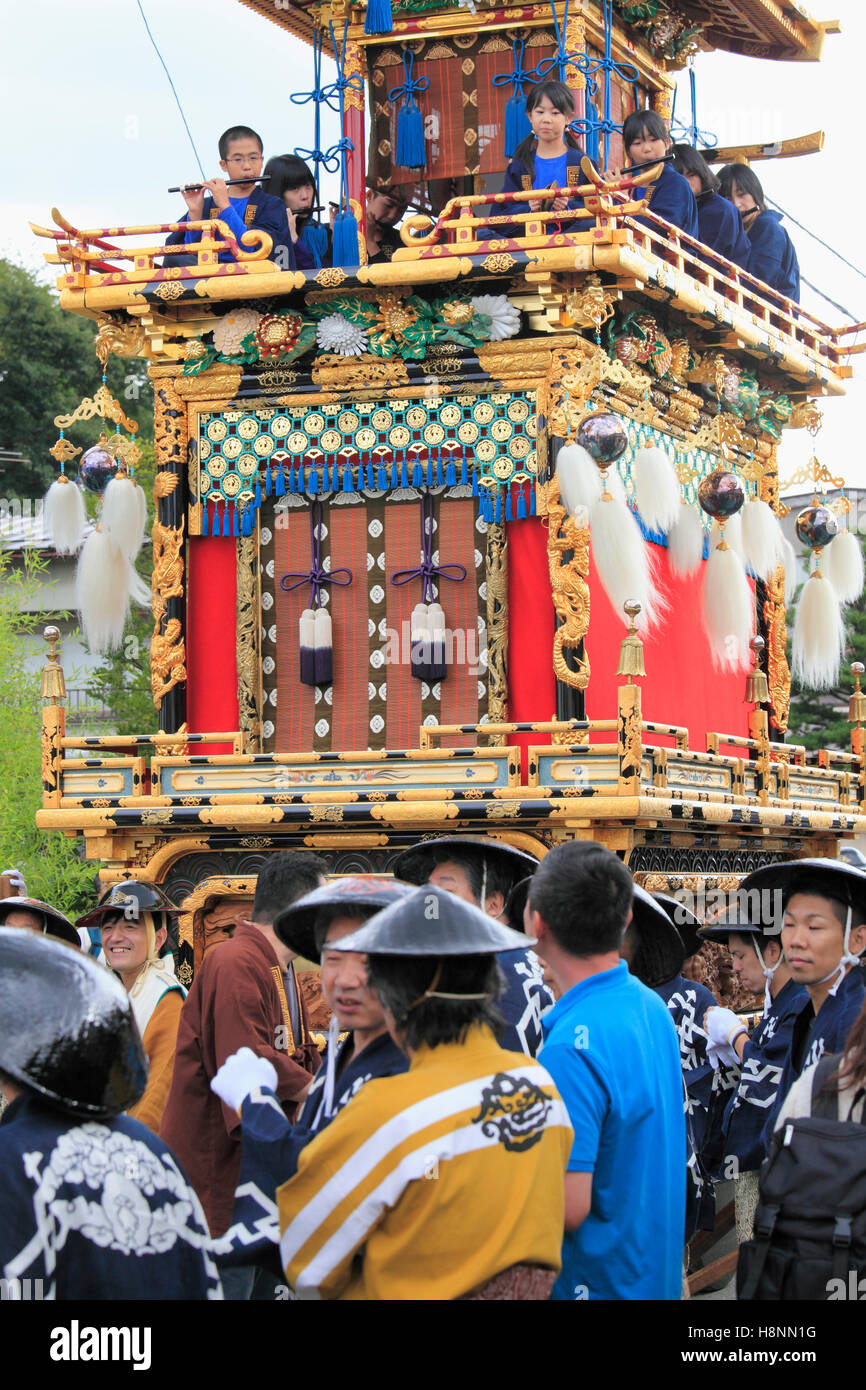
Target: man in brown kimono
<point>244,995</point>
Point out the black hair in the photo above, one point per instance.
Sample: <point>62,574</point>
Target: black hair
<point>237,132</point>
<point>830,888</point>
<point>355,912</point>
<point>747,181</point>
<point>400,981</point>
<point>500,877</point>
<point>690,161</point>
<point>283,878</point>
<point>562,98</point>
<point>583,892</point>
<point>638,123</point>
<point>285,172</point>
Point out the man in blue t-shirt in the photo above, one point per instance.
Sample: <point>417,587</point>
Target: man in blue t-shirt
<point>611,1048</point>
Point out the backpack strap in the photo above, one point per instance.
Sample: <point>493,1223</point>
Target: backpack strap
<point>765,1221</point>
<point>825,1104</point>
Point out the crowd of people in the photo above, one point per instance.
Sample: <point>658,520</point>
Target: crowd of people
<point>526,1091</point>
<point>726,212</point>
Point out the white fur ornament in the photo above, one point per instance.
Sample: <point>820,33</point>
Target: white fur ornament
<point>657,489</point>
<point>763,540</point>
<point>686,542</point>
<point>819,635</point>
<point>843,565</point>
<point>65,515</point>
<point>729,609</point>
<point>102,591</point>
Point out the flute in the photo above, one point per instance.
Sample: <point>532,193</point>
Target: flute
<point>650,164</point>
<point>230,183</point>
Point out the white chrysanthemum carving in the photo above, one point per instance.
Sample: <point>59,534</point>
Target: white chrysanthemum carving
<point>504,318</point>
<point>230,331</point>
<point>336,334</point>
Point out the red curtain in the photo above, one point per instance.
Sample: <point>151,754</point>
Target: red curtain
<point>212,689</point>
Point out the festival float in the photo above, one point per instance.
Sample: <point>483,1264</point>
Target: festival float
<point>482,539</point>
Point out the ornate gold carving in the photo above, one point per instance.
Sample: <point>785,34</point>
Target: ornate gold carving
<point>497,625</point>
<point>167,566</point>
<point>326,813</point>
<point>169,289</point>
<point>502,810</point>
<point>123,339</point>
<point>511,364</point>
<point>167,660</point>
<point>569,588</point>
<point>221,382</point>
<point>499,265</point>
<point>592,305</point>
<point>358,373</point>
<point>158,815</point>
<point>573,375</point>
<point>330,277</point>
<point>63,451</point>
<point>778,673</point>
<point>164,483</point>
<point>354,65</point>
<point>101,403</point>
<point>248,628</point>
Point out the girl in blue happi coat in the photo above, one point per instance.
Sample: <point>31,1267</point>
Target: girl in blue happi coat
<point>720,225</point>
<point>550,155</point>
<point>772,257</point>
<point>646,140</point>
<point>291,180</point>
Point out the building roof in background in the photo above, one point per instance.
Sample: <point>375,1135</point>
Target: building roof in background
<point>27,532</point>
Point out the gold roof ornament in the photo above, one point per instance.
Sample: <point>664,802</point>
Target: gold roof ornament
<point>631,661</point>
<point>857,702</point>
<point>757,690</point>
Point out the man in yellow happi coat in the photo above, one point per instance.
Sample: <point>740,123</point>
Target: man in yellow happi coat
<point>447,1181</point>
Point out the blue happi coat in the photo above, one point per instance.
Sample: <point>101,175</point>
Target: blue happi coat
<point>761,1068</point>
<point>524,1003</point>
<point>812,1035</point>
<point>271,1146</point>
<point>97,1209</point>
<point>687,1002</point>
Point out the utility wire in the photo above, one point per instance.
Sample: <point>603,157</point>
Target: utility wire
<point>173,89</point>
<point>855,318</point>
<point>815,237</point>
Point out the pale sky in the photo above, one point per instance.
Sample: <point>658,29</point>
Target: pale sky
<point>91,127</point>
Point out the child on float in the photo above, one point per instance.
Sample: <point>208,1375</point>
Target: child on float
<point>288,178</point>
<point>550,155</point>
<point>720,225</point>
<point>772,257</point>
<point>646,140</point>
<point>242,207</point>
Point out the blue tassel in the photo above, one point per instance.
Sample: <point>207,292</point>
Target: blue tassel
<point>404,475</point>
<point>235,528</point>
<point>290,480</point>
<point>475,492</point>
<point>395,474</point>
<point>440,477</point>
<point>451,472</point>
<point>227,530</point>
<point>370,477</point>
<point>430,473</point>
<point>247,522</point>
<point>299,479</point>
<point>463,477</point>
<point>348,484</point>
<point>267,481</point>
<point>335,475</point>
<point>204,520</point>
<point>280,483</point>
<point>417,474</point>
<point>532,499</point>
<point>497,516</point>
<point>521,505</point>
<point>411,151</point>
<point>312,482</point>
<point>509,514</point>
<point>378,19</point>
<point>257,500</point>
<point>517,125</point>
<point>382,478</point>
<point>345,237</point>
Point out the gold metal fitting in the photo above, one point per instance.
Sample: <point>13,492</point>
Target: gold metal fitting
<point>757,690</point>
<point>631,661</point>
<point>857,702</point>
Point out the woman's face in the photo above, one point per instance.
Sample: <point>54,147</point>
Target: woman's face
<point>298,199</point>
<point>695,184</point>
<point>548,123</point>
<point>742,201</point>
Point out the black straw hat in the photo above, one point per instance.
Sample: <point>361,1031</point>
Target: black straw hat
<point>432,922</point>
<point>55,922</point>
<point>414,864</point>
<point>687,923</point>
<point>660,953</point>
<point>132,897</point>
<point>296,925</point>
<point>832,878</point>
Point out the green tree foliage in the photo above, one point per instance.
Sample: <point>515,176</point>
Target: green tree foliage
<point>47,364</point>
<point>52,864</point>
<point>820,720</point>
<point>122,679</point>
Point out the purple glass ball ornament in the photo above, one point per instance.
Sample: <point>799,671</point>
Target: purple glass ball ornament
<point>816,526</point>
<point>97,468</point>
<point>603,437</point>
<point>721,494</point>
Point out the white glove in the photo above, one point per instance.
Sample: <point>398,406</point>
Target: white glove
<point>722,1052</point>
<point>240,1075</point>
<point>723,1026</point>
<point>16,881</point>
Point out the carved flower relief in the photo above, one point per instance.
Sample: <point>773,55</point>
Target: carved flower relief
<point>230,330</point>
<point>394,317</point>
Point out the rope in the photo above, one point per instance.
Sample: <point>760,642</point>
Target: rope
<point>815,237</point>
<point>173,89</point>
<point>692,132</point>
